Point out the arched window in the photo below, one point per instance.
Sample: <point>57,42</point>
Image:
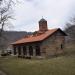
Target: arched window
<point>24,50</point>
<point>38,51</point>
<point>19,50</point>
<point>30,50</point>
<point>14,50</point>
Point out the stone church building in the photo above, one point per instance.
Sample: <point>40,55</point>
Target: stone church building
<point>43,43</point>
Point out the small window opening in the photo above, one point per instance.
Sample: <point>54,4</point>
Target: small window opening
<point>30,50</point>
<point>61,46</point>
<point>38,53</point>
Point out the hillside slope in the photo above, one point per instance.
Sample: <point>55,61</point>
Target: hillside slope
<point>11,36</point>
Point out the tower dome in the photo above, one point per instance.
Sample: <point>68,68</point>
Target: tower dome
<point>43,25</point>
<point>42,20</point>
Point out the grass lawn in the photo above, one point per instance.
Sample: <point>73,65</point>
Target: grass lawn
<point>63,65</point>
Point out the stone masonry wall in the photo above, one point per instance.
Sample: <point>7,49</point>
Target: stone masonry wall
<point>52,45</point>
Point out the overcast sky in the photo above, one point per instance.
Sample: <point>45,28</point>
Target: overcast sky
<point>29,12</point>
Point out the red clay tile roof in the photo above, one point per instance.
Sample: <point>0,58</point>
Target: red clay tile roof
<point>36,38</point>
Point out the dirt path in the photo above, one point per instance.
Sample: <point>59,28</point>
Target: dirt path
<point>2,73</point>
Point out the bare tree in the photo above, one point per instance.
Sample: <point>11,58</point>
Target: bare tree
<point>71,22</point>
<point>70,30</point>
<point>5,16</point>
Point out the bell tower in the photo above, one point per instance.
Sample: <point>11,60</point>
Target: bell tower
<point>43,25</point>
